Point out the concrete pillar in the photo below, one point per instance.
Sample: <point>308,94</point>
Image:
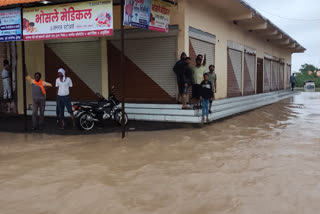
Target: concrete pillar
<point>104,66</point>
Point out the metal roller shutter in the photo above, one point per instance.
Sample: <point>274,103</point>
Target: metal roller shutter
<point>156,58</point>
<point>267,75</point>
<point>84,58</point>
<point>260,65</point>
<point>3,56</point>
<point>281,76</point>
<point>249,74</point>
<point>288,76</point>
<point>234,73</point>
<point>274,76</point>
<point>202,47</point>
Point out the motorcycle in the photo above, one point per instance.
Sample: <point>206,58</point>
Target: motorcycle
<point>87,114</point>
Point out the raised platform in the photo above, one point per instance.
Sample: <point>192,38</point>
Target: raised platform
<point>174,113</point>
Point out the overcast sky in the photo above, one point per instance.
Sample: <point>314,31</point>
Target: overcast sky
<point>307,33</point>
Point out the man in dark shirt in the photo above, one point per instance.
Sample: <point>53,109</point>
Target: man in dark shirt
<point>293,82</point>
<point>39,99</point>
<point>178,69</point>
<point>206,95</point>
<point>187,79</point>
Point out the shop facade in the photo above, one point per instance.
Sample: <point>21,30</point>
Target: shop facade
<point>250,55</point>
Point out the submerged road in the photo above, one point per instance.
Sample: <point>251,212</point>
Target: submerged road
<point>265,161</point>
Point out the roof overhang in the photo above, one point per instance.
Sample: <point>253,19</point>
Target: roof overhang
<point>10,2</point>
<point>249,19</point>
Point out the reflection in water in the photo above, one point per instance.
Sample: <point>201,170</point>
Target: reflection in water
<point>264,161</point>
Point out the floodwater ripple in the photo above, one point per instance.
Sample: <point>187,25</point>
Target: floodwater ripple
<point>264,161</point>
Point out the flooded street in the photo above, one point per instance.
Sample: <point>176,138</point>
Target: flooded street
<point>265,161</point>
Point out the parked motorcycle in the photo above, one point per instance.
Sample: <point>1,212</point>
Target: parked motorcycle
<point>87,114</point>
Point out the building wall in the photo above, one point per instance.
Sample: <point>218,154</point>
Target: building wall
<point>208,19</point>
<point>35,62</point>
<point>186,14</point>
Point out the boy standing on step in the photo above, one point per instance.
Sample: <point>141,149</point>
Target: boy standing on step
<point>206,95</point>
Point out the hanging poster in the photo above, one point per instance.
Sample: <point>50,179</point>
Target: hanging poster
<point>137,13</point>
<point>83,19</point>
<point>10,25</point>
<point>160,16</point>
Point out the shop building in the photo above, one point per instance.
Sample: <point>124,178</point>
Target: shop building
<point>251,54</point>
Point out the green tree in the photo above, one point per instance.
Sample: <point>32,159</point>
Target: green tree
<point>308,67</point>
<point>304,75</point>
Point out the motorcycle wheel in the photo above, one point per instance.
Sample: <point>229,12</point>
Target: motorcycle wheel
<point>118,117</point>
<point>84,123</point>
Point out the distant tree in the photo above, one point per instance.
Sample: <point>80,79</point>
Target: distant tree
<point>304,76</point>
<point>308,67</point>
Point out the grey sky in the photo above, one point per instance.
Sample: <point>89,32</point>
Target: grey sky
<point>306,33</point>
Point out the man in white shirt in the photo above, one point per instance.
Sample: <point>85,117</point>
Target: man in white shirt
<point>63,85</point>
<point>6,82</point>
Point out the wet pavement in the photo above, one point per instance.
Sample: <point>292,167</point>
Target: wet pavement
<point>264,161</point>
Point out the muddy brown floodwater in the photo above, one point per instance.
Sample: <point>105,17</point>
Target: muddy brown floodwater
<point>265,161</point>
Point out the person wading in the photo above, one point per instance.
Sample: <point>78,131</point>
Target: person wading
<point>39,99</point>
<point>63,85</point>
<point>178,69</point>
<point>293,81</point>
<point>6,83</point>
<point>213,80</point>
<point>197,73</point>
<point>206,95</point>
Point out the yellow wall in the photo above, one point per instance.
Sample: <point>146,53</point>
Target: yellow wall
<point>104,67</point>
<point>20,79</point>
<point>211,20</point>
<point>35,62</point>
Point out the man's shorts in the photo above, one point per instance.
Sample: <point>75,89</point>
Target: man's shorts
<point>186,90</point>
<point>64,102</point>
<point>196,91</point>
<point>213,97</point>
<point>180,85</point>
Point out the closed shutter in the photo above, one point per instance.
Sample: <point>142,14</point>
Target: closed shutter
<point>274,76</point>
<point>154,57</point>
<point>249,74</point>
<point>3,56</point>
<point>202,47</point>
<point>234,82</point>
<point>260,65</point>
<point>84,59</point>
<point>281,76</point>
<point>288,76</point>
<point>267,75</point>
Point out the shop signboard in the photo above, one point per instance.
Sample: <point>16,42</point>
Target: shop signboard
<point>147,14</point>
<point>10,25</point>
<point>160,16</point>
<point>137,13</point>
<point>82,19</point>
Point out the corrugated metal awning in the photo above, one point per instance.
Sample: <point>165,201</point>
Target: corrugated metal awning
<point>9,2</point>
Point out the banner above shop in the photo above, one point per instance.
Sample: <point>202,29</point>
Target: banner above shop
<point>160,16</point>
<point>137,13</point>
<point>10,25</point>
<point>147,14</point>
<point>83,19</point>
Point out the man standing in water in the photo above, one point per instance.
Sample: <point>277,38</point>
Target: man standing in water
<point>198,71</point>
<point>178,69</point>
<point>63,85</point>
<point>39,99</point>
<point>213,80</point>
<point>293,81</point>
<point>6,82</point>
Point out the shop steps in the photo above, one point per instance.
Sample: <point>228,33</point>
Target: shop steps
<point>174,113</point>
